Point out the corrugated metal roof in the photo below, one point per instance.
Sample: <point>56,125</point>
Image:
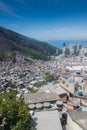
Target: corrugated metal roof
<point>40,97</point>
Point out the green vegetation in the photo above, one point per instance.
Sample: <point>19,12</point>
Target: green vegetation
<point>14,114</point>
<point>49,77</point>
<point>33,90</point>
<point>11,41</point>
<point>6,54</point>
<point>35,54</point>
<point>2,56</point>
<point>36,87</point>
<point>21,76</point>
<point>13,56</point>
<point>39,84</point>
<point>11,85</point>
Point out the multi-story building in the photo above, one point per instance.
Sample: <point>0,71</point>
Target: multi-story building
<point>72,49</point>
<point>83,51</point>
<point>64,51</point>
<point>79,46</point>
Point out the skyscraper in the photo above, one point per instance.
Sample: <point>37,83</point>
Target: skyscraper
<point>64,44</point>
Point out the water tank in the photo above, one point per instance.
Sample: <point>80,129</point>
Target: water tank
<point>39,106</point>
<point>80,93</point>
<point>31,106</point>
<point>64,119</point>
<point>47,105</point>
<point>59,105</point>
<point>64,116</point>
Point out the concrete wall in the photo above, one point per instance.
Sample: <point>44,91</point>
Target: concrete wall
<point>71,125</point>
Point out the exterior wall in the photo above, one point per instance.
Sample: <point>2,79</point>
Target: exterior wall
<point>64,99</point>
<point>67,85</point>
<point>71,125</point>
<point>84,101</point>
<point>83,51</point>
<point>70,87</point>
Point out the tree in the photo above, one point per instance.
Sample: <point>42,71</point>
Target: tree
<point>40,83</point>
<point>14,114</point>
<point>13,57</point>
<point>49,77</point>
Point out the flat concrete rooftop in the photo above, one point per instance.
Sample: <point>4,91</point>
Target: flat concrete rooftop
<point>47,120</point>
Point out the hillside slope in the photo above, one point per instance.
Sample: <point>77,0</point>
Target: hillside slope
<point>11,41</point>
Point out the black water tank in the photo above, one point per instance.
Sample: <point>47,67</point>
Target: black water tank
<point>64,117</point>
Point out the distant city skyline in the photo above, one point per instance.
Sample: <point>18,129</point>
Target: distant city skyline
<point>46,19</point>
<point>59,43</point>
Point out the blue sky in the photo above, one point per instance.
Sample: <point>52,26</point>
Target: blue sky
<point>46,19</point>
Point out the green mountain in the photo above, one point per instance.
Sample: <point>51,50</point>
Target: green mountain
<point>11,41</point>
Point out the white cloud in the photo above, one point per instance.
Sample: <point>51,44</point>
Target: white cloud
<point>8,10</point>
<point>13,25</point>
<point>5,8</point>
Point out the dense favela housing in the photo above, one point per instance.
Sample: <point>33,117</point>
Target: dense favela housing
<point>54,91</point>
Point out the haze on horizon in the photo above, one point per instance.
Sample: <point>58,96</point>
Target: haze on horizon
<point>46,19</point>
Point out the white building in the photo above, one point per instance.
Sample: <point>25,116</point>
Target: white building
<point>83,51</point>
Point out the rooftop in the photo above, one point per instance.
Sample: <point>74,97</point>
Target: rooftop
<point>47,120</point>
<point>40,97</point>
<point>80,118</point>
